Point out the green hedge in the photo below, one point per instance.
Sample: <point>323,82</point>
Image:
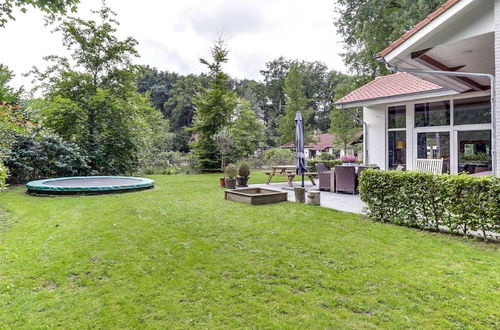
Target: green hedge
<point>461,203</point>
<point>311,164</point>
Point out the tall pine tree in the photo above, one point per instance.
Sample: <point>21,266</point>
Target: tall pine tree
<point>296,100</point>
<point>214,108</point>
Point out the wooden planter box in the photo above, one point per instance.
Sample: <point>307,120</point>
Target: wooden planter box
<point>255,196</point>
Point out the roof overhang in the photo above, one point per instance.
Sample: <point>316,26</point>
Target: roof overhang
<point>397,98</point>
<point>458,38</point>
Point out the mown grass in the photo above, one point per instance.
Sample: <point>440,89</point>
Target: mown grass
<point>180,256</point>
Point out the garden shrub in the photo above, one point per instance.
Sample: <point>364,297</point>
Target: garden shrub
<point>33,157</point>
<point>461,203</point>
<point>168,163</point>
<point>3,176</point>
<point>231,171</point>
<point>311,164</point>
<point>278,156</point>
<point>243,170</point>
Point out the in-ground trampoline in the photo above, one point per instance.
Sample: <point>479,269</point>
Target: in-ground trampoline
<point>90,185</point>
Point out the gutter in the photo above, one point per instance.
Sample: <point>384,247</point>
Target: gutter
<point>394,68</point>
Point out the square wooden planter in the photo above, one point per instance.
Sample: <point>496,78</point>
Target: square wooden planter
<point>255,196</point>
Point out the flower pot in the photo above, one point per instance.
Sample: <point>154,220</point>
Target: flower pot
<point>222,182</point>
<point>242,181</point>
<point>230,183</point>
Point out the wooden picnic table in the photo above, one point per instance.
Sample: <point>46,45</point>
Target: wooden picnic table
<point>288,171</point>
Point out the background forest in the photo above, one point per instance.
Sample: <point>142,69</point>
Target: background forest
<point>96,112</point>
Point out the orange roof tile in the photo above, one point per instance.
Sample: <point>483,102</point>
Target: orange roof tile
<point>388,86</point>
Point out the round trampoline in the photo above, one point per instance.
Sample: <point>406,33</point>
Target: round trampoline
<point>88,185</point>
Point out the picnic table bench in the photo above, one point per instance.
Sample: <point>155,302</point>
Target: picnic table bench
<point>288,171</point>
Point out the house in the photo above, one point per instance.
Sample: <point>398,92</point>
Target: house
<point>323,143</point>
<point>441,102</point>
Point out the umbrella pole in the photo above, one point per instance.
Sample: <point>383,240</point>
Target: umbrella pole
<point>302,180</point>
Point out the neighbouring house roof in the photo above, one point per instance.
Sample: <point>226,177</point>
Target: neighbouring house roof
<point>325,141</point>
<point>447,5</point>
<point>322,142</point>
<point>398,84</point>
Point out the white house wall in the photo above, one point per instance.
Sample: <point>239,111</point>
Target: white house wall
<point>375,137</point>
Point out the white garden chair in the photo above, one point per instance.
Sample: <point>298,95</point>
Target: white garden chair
<point>434,166</point>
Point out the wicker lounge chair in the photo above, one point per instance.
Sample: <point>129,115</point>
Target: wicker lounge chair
<point>346,179</point>
<point>324,177</point>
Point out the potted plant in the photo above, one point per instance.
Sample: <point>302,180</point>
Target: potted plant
<point>224,143</point>
<point>243,175</point>
<point>348,160</point>
<point>230,180</point>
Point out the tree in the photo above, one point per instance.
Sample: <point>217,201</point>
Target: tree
<point>159,85</point>
<point>214,108</point>
<point>343,125</point>
<point>92,99</point>
<point>8,94</point>
<point>224,142</point>
<point>344,128</point>
<point>295,101</point>
<point>274,79</point>
<point>246,129</point>
<point>48,6</point>
<point>14,118</point>
<point>368,26</point>
<point>180,108</point>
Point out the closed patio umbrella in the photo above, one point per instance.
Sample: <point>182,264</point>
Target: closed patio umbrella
<point>300,160</point>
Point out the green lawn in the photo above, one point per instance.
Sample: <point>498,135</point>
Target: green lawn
<point>180,256</point>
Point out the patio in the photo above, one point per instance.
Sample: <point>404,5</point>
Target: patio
<point>340,202</point>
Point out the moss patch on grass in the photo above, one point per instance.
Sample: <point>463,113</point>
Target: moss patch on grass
<point>180,256</point>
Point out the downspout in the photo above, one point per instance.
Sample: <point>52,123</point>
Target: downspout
<point>365,133</point>
<point>394,68</point>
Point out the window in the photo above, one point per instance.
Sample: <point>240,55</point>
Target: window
<point>432,114</point>
<point>396,116</point>
<point>474,151</point>
<point>434,145</point>
<point>397,149</point>
<point>472,111</point>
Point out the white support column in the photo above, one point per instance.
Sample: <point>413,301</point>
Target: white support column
<point>497,88</point>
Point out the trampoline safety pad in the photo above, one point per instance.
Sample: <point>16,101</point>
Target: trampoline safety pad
<point>88,185</point>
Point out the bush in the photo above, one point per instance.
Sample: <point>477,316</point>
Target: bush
<point>44,156</point>
<point>231,171</point>
<point>460,203</point>
<point>244,170</point>
<point>167,163</point>
<point>311,164</point>
<point>278,156</point>
<point>326,156</point>
<point>3,176</point>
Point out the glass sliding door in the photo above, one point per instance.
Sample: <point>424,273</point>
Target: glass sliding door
<point>474,151</point>
<point>434,145</point>
<point>397,149</point>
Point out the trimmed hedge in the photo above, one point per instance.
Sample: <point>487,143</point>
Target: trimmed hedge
<point>311,164</point>
<point>460,203</point>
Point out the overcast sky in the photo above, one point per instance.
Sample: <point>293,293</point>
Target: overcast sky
<point>173,35</point>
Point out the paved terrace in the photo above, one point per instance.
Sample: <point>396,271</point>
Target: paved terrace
<point>340,202</point>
